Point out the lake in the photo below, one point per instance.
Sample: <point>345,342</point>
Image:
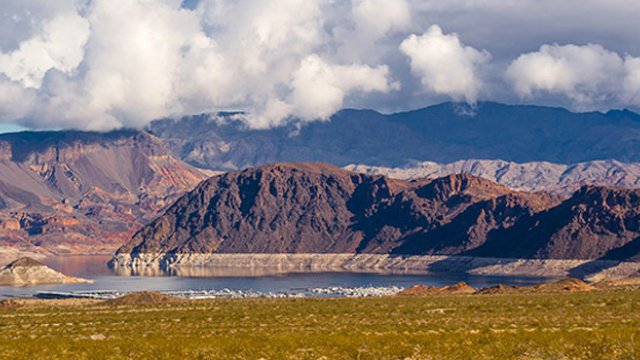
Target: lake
<point>95,267</point>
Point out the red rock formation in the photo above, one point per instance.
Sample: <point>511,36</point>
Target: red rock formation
<point>317,208</point>
<point>70,192</point>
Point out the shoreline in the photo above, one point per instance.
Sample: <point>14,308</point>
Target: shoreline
<point>151,264</point>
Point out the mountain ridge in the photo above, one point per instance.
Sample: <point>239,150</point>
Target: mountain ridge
<point>84,192</point>
<point>563,179</point>
<point>312,208</point>
<point>444,133</point>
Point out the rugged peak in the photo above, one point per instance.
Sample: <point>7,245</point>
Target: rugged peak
<point>308,168</point>
<point>462,184</point>
<point>606,196</point>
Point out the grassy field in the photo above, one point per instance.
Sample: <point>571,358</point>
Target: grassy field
<point>589,325</point>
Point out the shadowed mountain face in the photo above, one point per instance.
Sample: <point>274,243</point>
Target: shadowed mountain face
<point>83,192</point>
<point>596,222</point>
<point>317,208</point>
<point>442,133</point>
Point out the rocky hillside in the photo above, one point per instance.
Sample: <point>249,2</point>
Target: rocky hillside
<point>442,133</point>
<point>595,223</point>
<point>82,192</point>
<point>534,176</point>
<point>317,208</point>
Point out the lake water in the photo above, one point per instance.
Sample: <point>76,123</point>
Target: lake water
<point>95,268</point>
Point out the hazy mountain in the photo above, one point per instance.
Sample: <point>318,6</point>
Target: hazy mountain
<point>534,176</point>
<point>70,191</point>
<point>442,133</point>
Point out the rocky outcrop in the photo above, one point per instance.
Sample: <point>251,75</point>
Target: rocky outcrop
<point>83,192</point>
<point>26,271</point>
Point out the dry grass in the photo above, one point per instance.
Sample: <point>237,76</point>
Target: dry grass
<point>589,325</point>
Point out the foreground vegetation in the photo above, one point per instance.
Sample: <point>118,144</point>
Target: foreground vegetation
<point>590,325</point>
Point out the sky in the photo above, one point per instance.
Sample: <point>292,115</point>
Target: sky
<point>105,64</point>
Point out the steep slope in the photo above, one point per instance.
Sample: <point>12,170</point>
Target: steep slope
<point>595,223</point>
<point>318,208</point>
<point>442,133</point>
<point>70,191</point>
<point>276,208</point>
<point>534,176</point>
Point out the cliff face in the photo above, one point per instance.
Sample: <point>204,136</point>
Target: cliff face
<point>84,192</point>
<point>317,208</point>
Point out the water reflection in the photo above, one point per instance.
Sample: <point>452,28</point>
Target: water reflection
<point>80,265</point>
<point>213,271</point>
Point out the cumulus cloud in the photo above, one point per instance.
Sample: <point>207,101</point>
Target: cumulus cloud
<point>445,65</point>
<point>319,88</point>
<point>113,64</point>
<point>589,75</point>
<point>102,64</point>
<point>375,18</point>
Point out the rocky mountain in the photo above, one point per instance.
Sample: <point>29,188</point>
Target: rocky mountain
<point>534,176</point>
<point>595,223</point>
<point>442,133</point>
<point>83,192</point>
<point>318,208</point>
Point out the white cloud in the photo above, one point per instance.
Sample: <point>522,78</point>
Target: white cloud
<point>375,18</point>
<point>59,46</point>
<point>631,84</point>
<point>15,101</point>
<point>99,64</point>
<point>445,65</point>
<point>116,64</point>
<point>319,88</point>
<point>589,75</point>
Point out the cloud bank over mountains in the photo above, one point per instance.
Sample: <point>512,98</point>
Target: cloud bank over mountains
<point>102,64</point>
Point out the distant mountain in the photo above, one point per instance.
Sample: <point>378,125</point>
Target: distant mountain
<point>84,192</point>
<point>442,133</point>
<point>534,176</point>
<point>318,208</point>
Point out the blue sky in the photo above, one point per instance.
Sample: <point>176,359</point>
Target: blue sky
<point>7,128</point>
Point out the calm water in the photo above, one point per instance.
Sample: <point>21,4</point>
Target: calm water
<point>95,267</point>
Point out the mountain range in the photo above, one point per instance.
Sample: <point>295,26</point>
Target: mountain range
<point>560,179</point>
<point>442,133</point>
<point>319,208</point>
<point>88,192</point>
